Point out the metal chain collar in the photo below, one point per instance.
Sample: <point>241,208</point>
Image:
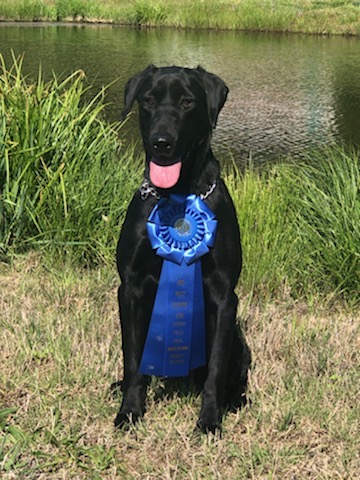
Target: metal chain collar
<point>146,189</point>
<point>205,195</point>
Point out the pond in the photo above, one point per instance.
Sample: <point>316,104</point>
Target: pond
<point>288,93</point>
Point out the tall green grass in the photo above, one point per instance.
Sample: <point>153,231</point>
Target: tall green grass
<point>262,213</point>
<point>300,225</point>
<point>65,183</point>
<point>324,206</point>
<point>323,16</point>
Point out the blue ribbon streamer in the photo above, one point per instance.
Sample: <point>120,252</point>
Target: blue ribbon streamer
<point>181,230</point>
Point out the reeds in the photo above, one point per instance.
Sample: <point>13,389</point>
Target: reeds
<point>64,185</point>
<point>325,218</point>
<point>300,225</point>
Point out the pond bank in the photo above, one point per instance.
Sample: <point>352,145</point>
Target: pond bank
<point>320,17</point>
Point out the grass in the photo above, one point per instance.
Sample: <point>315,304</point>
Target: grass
<point>57,157</point>
<point>321,17</point>
<point>300,226</point>
<point>325,203</point>
<point>61,351</point>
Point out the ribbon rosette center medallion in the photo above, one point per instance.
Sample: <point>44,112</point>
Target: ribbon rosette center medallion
<point>181,230</point>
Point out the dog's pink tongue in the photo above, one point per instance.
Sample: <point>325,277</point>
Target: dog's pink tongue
<point>164,176</point>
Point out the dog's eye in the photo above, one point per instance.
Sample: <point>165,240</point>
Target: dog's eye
<point>186,103</point>
<point>149,102</point>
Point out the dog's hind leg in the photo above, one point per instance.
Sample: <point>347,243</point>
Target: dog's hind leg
<point>134,384</point>
<point>237,376</point>
<point>218,363</point>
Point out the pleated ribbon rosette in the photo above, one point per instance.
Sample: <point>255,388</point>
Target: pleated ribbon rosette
<point>181,230</point>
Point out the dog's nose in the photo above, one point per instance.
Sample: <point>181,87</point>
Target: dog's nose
<point>162,144</point>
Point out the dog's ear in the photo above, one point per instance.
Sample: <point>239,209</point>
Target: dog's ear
<point>216,93</point>
<point>132,89</point>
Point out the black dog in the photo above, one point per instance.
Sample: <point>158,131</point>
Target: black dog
<point>178,109</point>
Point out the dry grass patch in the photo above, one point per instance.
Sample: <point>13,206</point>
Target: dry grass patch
<point>61,351</point>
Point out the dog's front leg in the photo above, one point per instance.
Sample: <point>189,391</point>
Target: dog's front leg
<point>133,336</point>
<point>218,363</point>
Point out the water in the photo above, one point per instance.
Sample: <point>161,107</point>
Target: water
<point>288,93</point>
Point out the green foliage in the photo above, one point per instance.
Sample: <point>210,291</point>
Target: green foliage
<point>76,9</point>
<point>266,15</point>
<point>26,10</point>
<point>300,226</point>
<point>148,13</point>
<point>64,182</point>
<point>325,203</point>
<point>262,213</point>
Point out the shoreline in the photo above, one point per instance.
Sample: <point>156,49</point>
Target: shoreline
<point>109,23</point>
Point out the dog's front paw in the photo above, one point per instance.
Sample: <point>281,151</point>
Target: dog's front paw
<point>124,419</point>
<point>209,424</point>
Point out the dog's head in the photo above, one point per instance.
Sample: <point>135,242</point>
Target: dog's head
<point>178,110</point>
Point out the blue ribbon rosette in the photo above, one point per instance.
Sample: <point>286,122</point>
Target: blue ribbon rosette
<point>181,230</point>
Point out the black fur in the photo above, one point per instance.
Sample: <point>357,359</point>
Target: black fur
<point>178,110</point>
